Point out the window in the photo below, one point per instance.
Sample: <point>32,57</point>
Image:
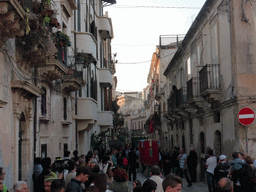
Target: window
<point>43,151</point>
<point>216,117</point>
<point>107,98</point>
<point>172,141</point>
<point>181,77</point>
<point>214,44</point>
<point>65,147</point>
<point>189,68</point>
<point>199,53</point>
<point>43,102</point>
<point>65,109</point>
<point>201,121</point>
<point>191,130</point>
<point>202,145</point>
<point>78,15</point>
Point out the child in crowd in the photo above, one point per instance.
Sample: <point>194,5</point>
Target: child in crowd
<point>236,167</point>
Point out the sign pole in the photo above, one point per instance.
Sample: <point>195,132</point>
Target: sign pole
<point>246,138</point>
<point>246,116</point>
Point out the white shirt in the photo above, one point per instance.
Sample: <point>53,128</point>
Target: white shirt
<point>211,162</point>
<point>158,181</point>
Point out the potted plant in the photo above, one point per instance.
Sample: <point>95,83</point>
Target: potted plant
<point>62,39</point>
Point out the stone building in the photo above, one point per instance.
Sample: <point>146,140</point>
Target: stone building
<point>168,45</point>
<point>56,80</point>
<point>210,78</point>
<point>155,103</point>
<point>132,108</point>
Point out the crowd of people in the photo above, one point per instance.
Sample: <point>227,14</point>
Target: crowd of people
<point>240,169</point>
<point>238,174</point>
<point>116,170</point>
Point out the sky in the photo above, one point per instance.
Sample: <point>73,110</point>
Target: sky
<point>137,25</point>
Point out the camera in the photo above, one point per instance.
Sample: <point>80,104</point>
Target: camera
<point>59,165</point>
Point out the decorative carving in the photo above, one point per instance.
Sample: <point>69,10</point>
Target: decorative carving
<point>12,20</point>
<point>53,70</point>
<point>70,84</point>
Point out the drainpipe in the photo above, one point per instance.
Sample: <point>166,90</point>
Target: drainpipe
<point>35,113</point>
<point>76,128</point>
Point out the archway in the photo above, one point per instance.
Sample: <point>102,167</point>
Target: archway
<point>217,143</point>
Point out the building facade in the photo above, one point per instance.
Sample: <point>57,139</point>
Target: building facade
<point>211,77</point>
<point>56,80</point>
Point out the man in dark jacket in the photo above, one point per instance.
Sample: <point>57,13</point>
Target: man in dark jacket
<point>192,164</point>
<point>82,175</point>
<point>222,169</point>
<point>132,159</point>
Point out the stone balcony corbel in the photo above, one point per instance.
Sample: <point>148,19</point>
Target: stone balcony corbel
<point>70,84</point>
<point>52,70</point>
<point>12,20</point>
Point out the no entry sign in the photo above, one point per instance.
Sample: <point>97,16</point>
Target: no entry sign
<point>246,116</point>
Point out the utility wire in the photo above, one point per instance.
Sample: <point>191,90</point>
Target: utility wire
<point>140,62</point>
<point>138,6</point>
<point>154,7</point>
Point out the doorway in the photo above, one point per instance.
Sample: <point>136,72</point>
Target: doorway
<point>22,125</point>
<point>217,143</point>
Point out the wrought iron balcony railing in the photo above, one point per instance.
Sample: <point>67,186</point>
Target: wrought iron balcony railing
<point>181,96</point>
<point>177,99</point>
<point>192,88</point>
<point>170,41</point>
<point>209,77</point>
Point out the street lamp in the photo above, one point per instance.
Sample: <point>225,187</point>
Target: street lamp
<point>156,107</point>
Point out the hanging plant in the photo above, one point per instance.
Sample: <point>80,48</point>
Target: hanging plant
<point>62,39</point>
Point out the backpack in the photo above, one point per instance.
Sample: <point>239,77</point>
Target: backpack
<point>125,161</point>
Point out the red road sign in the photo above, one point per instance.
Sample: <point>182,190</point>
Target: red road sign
<point>246,116</point>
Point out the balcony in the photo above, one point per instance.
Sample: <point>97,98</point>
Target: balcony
<point>209,78</point>
<point>86,43</point>
<point>105,118</point>
<point>177,103</point>
<point>86,113</point>
<point>105,27</point>
<point>109,2</point>
<point>71,82</point>
<point>105,77</point>
<point>12,20</point>
<point>53,70</point>
<point>193,94</point>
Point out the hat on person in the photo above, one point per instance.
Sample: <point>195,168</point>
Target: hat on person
<point>222,157</point>
<point>50,177</point>
<point>149,185</point>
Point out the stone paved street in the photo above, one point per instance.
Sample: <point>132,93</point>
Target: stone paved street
<point>196,187</point>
